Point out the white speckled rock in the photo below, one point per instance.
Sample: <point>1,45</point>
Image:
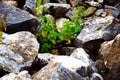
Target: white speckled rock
<point>20,76</point>
<point>97,31</point>
<point>78,59</point>
<point>18,51</point>
<point>56,71</point>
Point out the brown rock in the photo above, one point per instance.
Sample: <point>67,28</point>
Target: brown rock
<point>110,50</point>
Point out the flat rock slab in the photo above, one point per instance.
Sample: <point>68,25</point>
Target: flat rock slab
<point>18,51</point>
<point>19,20</point>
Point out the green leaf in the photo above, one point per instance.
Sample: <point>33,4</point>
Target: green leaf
<point>1,37</point>
<point>44,33</point>
<point>39,2</point>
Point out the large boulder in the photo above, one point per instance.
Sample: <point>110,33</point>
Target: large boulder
<point>110,50</point>
<point>19,20</point>
<point>17,52</point>
<point>97,31</point>
<point>55,71</point>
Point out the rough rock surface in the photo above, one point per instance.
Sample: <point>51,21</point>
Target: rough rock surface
<point>19,20</point>
<point>55,71</point>
<point>97,31</point>
<point>17,52</point>
<point>20,76</point>
<point>110,50</point>
<point>77,59</point>
<point>30,6</point>
<point>57,10</point>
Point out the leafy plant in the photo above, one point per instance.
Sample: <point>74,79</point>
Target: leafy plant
<point>3,25</point>
<point>49,37</point>
<point>79,15</point>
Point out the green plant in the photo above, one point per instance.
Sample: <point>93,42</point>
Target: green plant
<point>79,15</point>
<point>49,37</point>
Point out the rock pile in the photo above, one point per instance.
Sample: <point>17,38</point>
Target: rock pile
<point>94,56</point>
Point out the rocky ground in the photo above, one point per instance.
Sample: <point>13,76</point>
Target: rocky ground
<point>94,56</point>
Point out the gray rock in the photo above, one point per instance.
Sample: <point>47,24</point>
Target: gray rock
<point>97,31</point>
<point>18,51</point>
<point>20,76</point>
<point>56,71</point>
<point>19,20</point>
<point>57,10</point>
<point>96,76</point>
<point>93,3</point>
<point>77,59</point>
<point>30,6</point>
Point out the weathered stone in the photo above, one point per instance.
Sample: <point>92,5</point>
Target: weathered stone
<point>111,2</point>
<point>56,71</point>
<point>68,50</point>
<point>17,52</point>
<point>89,11</point>
<point>110,50</point>
<point>30,6</point>
<point>99,12</point>
<point>19,20</point>
<point>57,10</point>
<point>77,59</point>
<point>20,76</point>
<point>93,3</point>
<point>59,1</point>
<point>10,2</point>
<point>115,70</point>
<point>113,12</point>
<point>97,31</point>
<point>75,2</point>
<point>96,76</point>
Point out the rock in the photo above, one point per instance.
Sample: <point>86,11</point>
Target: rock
<point>113,12</point>
<point>57,10</point>
<point>85,71</point>
<point>111,2</point>
<point>68,50</point>
<point>89,11</point>
<point>19,20</point>
<point>56,71</point>
<point>93,3</point>
<point>10,2</point>
<point>17,51</point>
<point>59,23</point>
<point>97,31</point>
<point>110,51</point>
<point>96,76</point>
<point>99,12</point>
<point>59,1</point>
<point>75,2</point>
<point>77,59</point>
<point>30,6</point>
<point>115,70</point>
<point>20,76</point>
